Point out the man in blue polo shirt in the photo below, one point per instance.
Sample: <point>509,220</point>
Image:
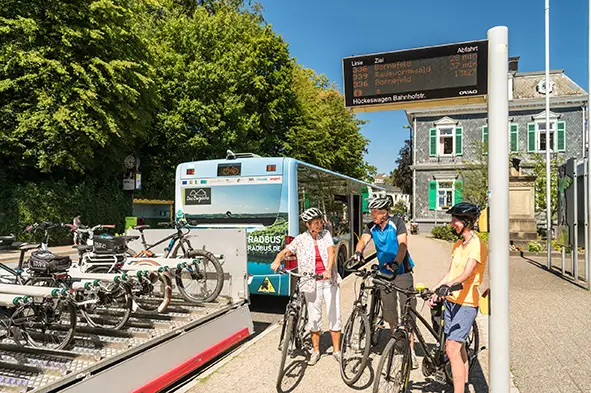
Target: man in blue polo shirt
<point>390,240</point>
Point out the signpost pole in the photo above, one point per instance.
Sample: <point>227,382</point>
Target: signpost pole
<point>549,145</point>
<point>498,139</point>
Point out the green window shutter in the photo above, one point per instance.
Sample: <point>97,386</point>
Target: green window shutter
<point>531,137</point>
<point>459,188</point>
<point>432,195</point>
<point>514,138</point>
<point>459,147</point>
<point>485,139</point>
<point>561,136</point>
<point>433,142</point>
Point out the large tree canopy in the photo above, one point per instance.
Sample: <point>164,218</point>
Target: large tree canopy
<point>75,84</point>
<point>84,83</point>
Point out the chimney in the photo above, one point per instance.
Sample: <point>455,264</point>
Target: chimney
<point>513,64</point>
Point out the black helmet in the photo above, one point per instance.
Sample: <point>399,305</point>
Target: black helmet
<point>380,204</point>
<point>465,209</point>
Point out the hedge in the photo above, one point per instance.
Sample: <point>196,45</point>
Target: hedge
<point>58,201</point>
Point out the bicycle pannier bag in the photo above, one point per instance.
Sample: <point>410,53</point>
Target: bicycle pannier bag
<point>46,262</point>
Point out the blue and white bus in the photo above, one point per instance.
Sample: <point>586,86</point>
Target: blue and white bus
<point>266,196</point>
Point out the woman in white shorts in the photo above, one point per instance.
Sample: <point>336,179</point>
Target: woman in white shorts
<point>316,255</point>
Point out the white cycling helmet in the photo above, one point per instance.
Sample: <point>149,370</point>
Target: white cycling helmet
<point>380,204</point>
<point>311,214</point>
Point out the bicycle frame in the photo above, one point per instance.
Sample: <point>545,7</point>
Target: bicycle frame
<point>174,238</point>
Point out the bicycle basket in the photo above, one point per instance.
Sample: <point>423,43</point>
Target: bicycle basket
<point>46,262</point>
<point>109,245</point>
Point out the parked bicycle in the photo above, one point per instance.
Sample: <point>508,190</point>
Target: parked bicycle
<point>364,326</point>
<point>44,321</point>
<point>292,340</point>
<point>107,306</point>
<point>199,281</point>
<point>393,371</point>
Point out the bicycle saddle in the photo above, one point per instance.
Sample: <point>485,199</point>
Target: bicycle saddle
<point>23,246</point>
<point>141,227</point>
<point>129,238</point>
<point>9,237</point>
<point>84,247</point>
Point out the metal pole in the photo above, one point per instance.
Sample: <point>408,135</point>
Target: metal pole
<point>548,146</point>
<point>586,165</point>
<point>563,259</point>
<point>498,142</point>
<point>575,202</point>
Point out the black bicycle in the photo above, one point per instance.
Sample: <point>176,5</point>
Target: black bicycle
<point>393,371</point>
<point>364,326</point>
<point>199,281</point>
<point>292,340</point>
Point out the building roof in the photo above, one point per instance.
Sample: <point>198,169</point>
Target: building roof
<point>526,94</point>
<point>525,85</point>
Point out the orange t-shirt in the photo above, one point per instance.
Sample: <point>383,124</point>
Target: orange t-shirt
<point>475,249</point>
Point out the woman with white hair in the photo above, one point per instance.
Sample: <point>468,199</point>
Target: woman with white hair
<point>316,255</point>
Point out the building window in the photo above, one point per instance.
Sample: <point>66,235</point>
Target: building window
<point>446,141</point>
<point>445,194</point>
<point>541,131</point>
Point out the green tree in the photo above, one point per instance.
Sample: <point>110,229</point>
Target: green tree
<point>475,176</point>
<point>324,132</point>
<point>401,176</point>
<point>224,82</point>
<point>75,85</point>
<point>539,172</point>
<point>399,208</point>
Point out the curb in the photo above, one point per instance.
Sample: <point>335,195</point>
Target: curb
<point>226,359</point>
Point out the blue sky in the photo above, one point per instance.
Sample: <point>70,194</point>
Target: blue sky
<point>321,32</point>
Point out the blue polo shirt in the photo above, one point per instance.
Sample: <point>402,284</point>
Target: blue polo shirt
<point>386,243</point>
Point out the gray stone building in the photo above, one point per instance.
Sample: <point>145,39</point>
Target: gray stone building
<point>446,139</point>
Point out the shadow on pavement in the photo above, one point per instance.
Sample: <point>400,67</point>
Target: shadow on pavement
<point>294,372</point>
<point>556,272</point>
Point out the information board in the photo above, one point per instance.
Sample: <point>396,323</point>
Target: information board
<point>431,73</point>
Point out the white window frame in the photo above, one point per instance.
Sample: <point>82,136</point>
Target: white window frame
<point>452,189</point>
<point>440,144</point>
<point>552,131</point>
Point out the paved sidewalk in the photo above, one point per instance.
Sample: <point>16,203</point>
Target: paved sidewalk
<point>12,256</point>
<point>550,329</point>
<point>255,368</point>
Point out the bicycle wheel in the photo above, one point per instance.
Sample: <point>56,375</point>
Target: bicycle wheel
<point>287,339</point>
<point>355,346</point>
<point>50,324</point>
<point>152,294</point>
<point>112,308</point>
<point>472,348</point>
<point>378,321</point>
<point>202,280</point>
<point>394,367</point>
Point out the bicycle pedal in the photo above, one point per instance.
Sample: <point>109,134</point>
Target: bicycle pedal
<point>439,376</point>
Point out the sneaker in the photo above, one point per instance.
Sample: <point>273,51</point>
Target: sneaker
<point>314,358</point>
<point>337,356</point>
<point>414,361</point>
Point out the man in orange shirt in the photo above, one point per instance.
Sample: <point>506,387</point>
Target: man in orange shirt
<point>461,307</point>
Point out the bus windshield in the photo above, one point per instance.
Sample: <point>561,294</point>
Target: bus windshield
<point>240,203</point>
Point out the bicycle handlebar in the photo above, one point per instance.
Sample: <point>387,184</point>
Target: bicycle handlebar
<point>292,273</point>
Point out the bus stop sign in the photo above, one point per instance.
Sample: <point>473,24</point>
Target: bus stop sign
<point>438,75</point>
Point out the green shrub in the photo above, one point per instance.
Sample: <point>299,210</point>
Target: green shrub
<point>58,201</point>
<point>534,246</point>
<point>444,232</point>
<point>483,236</point>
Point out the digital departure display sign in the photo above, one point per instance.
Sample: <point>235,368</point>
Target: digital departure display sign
<point>438,72</point>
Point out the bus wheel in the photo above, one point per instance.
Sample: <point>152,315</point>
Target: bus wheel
<point>341,262</point>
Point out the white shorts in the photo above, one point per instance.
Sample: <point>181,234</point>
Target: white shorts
<point>331,295</point>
